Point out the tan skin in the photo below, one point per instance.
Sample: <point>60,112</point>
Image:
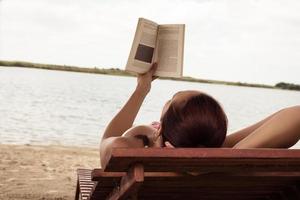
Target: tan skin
<point>280,130</point>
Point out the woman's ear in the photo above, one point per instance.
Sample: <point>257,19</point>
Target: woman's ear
<point>168,145</point>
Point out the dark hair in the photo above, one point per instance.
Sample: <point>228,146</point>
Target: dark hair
<point>201,122</point>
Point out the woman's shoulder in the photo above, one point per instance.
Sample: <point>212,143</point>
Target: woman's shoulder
<point>131,138</point>
<point>145,133</point>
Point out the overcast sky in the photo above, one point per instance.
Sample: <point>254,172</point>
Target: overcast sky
<point>248,41</point>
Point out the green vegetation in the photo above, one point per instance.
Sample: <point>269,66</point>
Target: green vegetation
<point>287,86</point>
<point>119,72</point>
<point>95,70</point>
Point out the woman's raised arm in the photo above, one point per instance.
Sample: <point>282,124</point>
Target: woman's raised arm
<point>125,117</point>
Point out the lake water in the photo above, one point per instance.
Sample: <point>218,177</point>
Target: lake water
<point>69,108</point>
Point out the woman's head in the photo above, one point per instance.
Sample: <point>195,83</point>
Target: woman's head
<point>193,119</point>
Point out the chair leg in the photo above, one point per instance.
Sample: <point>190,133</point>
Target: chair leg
<point>129,184</point>
<point>77,190</point>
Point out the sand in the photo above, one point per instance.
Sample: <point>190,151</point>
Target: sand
<point>42,172</point>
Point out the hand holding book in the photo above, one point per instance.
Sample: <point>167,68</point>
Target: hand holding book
<point>144,80</point>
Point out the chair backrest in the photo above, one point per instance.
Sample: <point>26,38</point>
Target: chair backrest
<point>203,159</point>
<point>201,173</point>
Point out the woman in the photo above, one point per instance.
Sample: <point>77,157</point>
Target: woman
<point>194,119</point>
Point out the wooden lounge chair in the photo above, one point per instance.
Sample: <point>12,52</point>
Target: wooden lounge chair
<point>187,173</point>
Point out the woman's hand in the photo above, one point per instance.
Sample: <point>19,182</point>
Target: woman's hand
<point>144,80</point>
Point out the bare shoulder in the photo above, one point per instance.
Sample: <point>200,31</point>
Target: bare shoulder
<point>127,140</point>
<point>108,144</point>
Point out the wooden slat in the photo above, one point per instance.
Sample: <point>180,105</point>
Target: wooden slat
<point>99,174</point>
<point>240,185</point>
<point>203,159</point>
<point>199,182</point>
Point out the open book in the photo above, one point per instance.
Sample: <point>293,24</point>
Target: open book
<point>157,43</point>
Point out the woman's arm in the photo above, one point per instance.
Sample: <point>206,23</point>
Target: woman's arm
<point>125,117</point>
<point>280,131</point>
<point>237,136</point>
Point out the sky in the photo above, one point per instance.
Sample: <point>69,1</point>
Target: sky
<point>253,41</point>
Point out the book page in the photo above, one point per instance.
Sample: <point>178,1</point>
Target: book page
<point>169,50</point>
<point>142,50</point>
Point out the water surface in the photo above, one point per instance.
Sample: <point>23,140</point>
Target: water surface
<point>69,108</point>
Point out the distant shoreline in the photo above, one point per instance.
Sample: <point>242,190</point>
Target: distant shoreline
<point>119,72</point>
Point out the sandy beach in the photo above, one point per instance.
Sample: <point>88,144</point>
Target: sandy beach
<point>42,172</point>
